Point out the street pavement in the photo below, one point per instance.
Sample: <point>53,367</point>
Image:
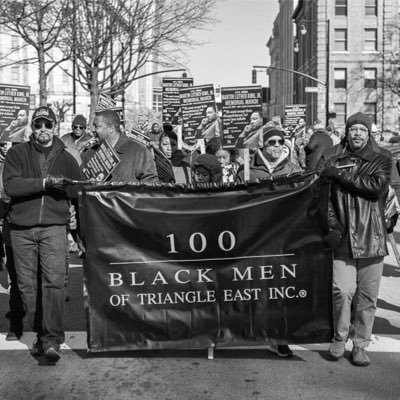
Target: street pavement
<point>240,373</point>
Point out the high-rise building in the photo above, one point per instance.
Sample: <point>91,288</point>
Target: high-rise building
<point>280,46</point>
<point>352,49</point>
<point>346,44</point>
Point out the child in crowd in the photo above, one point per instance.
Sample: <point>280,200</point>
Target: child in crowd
<point>206,169</point>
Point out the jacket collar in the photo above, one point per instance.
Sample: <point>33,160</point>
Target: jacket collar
<point>368,155</point>
<point>122,141</point>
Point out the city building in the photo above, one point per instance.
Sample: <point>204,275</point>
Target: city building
<point>352,49</point>
<point>280,46</point>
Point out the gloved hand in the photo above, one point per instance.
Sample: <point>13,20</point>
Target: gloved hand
<point>57,182</point>
<point>332,239</point>
<point>330,173</point>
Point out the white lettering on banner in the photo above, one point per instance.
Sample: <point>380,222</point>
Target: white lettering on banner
<point>242,295</point>
<point>177,297</point>
<point>266,272</point>
<point>119,300</point>
<point>179,272</point>
<point>198,242</point>
<point>115,279</point>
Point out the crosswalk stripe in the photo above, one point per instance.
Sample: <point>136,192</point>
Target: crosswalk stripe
<point>78,341</point>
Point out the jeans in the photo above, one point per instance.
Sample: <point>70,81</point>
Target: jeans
<point>39,257</point>
<point>357,281</point>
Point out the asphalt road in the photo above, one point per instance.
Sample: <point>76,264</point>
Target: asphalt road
<point>188,374</point>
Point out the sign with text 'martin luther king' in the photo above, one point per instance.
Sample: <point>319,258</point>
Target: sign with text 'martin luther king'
<point>238,105</point>
<point>14,113</point>
<point>180,267</point>
<point>195,102</point>
<point>171,106</point>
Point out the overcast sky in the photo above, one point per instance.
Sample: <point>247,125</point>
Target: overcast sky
<point>236,43</point>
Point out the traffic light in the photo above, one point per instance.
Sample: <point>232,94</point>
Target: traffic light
<point>253,76</point>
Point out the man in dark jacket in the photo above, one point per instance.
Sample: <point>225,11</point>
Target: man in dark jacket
<point>37,177</point>
<point>357,233</point>
<point>318,143</point>
<point>136,165</point>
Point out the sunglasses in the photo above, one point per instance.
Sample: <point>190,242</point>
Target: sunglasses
<point>273,142</point>
<point>78,127</point>
<point>47,125</point>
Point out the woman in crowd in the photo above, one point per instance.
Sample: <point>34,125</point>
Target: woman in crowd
<point>206,169</point>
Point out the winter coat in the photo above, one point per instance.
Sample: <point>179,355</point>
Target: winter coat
<point>25,169</point>
<point>136,165</point>
<point>357,200</point>
<point>319,142</point>
<point>258,170</point>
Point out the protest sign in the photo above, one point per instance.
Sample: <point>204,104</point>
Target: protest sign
<point>238,104</point>
<point>102,163</point>
<point>14,113</point>
<point>180,267</point>
<point>292,114</point>
<point>195,101</point>
<point>105,102</point>
<point>170,97</point>
<point>164,167</point>
<point>139,137</point>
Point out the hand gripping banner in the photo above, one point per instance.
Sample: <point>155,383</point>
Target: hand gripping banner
<point>180,267</point>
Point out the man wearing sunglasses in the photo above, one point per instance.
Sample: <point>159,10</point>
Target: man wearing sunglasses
<point>37,177</point>
<point>273,159</point>
<point>79,138</point>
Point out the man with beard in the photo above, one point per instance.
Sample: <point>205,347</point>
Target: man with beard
<point>37,177</point>
<point>357,233</point>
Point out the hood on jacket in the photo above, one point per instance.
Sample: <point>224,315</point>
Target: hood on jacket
<point>211,164</point>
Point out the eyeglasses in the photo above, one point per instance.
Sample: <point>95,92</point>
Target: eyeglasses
<point>362,130</point>
<point>78,127</point>
<point>47,125</point>
<point>273,142</point>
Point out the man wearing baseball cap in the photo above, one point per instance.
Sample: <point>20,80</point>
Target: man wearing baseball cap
<point>359,172</point>
<point>37,177</point>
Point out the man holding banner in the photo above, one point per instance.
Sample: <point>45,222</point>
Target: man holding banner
<point>360,174</point>
<point>37,175</point>
<point>136,163</point>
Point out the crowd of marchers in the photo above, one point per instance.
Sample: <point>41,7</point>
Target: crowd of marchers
<point>41,218</point>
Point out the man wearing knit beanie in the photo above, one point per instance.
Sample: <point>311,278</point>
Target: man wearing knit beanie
<point>359,173</point>
<point>78,140</point>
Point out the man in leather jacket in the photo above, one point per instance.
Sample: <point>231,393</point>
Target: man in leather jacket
<point>357,233</point>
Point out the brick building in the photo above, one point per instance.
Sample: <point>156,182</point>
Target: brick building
<point>351,47</point>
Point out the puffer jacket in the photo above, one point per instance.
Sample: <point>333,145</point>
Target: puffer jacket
<point>357,200</point>
<point>258,170</point>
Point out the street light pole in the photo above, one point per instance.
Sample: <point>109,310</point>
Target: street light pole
<point>328,31</point>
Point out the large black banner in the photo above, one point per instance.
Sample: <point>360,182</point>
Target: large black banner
<point>179,267</point>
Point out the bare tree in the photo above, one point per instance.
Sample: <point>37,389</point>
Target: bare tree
<point>60,108</point>
<point>39,24</point>
<point>114,39</point>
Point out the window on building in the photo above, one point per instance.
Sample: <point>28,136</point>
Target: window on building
<point>370,109</point>
<point>15,74</point>
<point>157,99</point>
<point>370,39</point>
<point>65,79</point>
<point>341,113</point>
<point>340,75</point>
<point>341,7</point>
<point>370,78</point>
<point>371,7</point>
<point>340,40</point>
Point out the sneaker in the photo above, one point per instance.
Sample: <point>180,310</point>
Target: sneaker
<point>37,348</point>
<point>336,350</point>
<point>281,350</point>
<point>52,354</point>
<point>11,336</point>
<point>359,357</point>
